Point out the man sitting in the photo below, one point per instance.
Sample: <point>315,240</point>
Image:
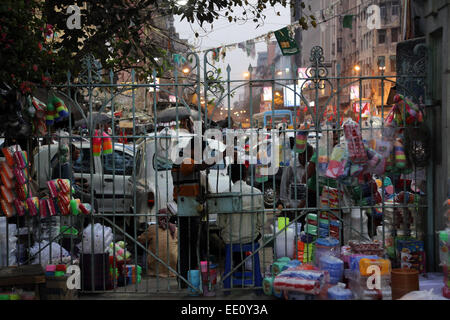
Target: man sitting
<point>245,227</point>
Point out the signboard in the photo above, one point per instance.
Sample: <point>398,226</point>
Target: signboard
<point>365,108</point>
<point>267,94</point>
<point>287,43</point>
<point>354,92</point>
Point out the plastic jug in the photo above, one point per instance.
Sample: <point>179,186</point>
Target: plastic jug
<point>284,243</point>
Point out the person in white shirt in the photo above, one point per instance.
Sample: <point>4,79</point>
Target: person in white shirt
<point>243,227</point>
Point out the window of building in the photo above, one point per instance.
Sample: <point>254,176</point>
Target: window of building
<point>381,61</point>
<point>381,36</point>
<point>395,8</point>
<point>393,60</point>
<point>383,11</point>
<point>339,45</point>
<point>394,34</point>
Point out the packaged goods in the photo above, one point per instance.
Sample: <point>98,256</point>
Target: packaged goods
<point>339,292</point>
<point>326,246</point>
<point>356,150</point>
<point>334,266</point>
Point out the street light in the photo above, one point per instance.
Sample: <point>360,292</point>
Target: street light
<point>186,70</point>
<point>246,74</point>
<point>357,68</point>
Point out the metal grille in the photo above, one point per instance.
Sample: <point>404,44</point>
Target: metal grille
<point>130,185</point>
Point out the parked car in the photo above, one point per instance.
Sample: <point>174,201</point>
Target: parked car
<point>108,175</point>
<point>153,183</point>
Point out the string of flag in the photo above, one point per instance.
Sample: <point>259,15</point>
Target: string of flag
<point>284,36</point>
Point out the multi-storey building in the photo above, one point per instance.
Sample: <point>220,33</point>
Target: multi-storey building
<point>344,48</point>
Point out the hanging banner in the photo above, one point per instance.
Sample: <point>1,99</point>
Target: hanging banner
<point>287,44</point>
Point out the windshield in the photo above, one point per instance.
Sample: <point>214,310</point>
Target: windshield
<point>161,164</point>
<point>218,166</point>
<point>278,119</point>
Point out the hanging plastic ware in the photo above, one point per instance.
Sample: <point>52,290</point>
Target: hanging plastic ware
<point>60,107</point>
<point>20,207</point>
<point>96,145</point>
<point>23,192</point>
<point>8,209</point>
<point>356,150</point>
<point>50,113</point>
<point>300,141</point>
<point>33,206</point>
<point>8,152</point>
<point>39,107</point>
<point>21,159</point>
<point>410,111</point>
<point>400,157</point>
<point>106,144</point>
<point>7,194</point>
<point>338,162</point>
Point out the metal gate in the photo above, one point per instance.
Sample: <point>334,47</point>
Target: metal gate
<point>125,171</point>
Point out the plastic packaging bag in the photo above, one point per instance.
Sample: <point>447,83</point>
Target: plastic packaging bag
<point>356,150</point>
<point>338,162</point>
<point>422,295</point>
<point>103,237</point>
<point>43,257</point>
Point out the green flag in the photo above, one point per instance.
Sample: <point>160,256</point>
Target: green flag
<point>287,44</point>
<point>348,21</point>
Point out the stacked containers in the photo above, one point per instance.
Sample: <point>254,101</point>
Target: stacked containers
<point>334,266</point>
<point>326,246</point>
<point>338,292</point>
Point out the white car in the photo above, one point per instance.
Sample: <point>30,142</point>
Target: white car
<point>108,175</point>
<point>153,183</point>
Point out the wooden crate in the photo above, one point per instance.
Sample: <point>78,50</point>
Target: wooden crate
<point>56,289</point>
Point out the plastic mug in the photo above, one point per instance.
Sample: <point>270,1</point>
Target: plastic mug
<point>195,280</point>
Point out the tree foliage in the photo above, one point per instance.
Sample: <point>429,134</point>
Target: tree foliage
<point>37,46</point>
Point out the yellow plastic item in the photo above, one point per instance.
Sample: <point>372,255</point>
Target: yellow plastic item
<point>383,264</point>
